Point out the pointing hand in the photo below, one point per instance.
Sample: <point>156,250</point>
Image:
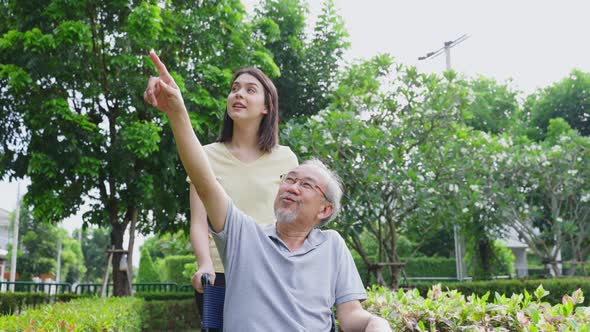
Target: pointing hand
<point>162,92</point>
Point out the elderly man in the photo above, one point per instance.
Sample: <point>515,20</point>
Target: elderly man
<point>281,277</point>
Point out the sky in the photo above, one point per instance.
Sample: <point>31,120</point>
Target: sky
<point>531,43</point>
<point>534,43</point>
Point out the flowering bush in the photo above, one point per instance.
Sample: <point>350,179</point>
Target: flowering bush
<point>453,311</point>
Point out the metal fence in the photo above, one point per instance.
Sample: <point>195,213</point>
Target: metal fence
<point>165,287</point>
<point>31,286</point>
<point>89,288</point>
<point>92,288</point>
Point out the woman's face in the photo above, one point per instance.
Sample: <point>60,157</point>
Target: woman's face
<point>246,99</point>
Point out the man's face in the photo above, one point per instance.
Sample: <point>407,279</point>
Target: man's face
<point>301,196</point>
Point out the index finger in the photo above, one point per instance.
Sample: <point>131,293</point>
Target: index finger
<point>159,65</point>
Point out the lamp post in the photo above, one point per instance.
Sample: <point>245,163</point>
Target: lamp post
<point>458,238</point>
<point>446,49</point>
<point>15,239</point>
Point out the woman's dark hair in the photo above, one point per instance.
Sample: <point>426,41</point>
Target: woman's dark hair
<point>268,132</point>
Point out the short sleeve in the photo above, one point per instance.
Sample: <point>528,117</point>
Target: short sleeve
<point>349,285</point>
<point>227,239</point>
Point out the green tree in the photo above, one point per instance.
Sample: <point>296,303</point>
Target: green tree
<point>323,56</point>
<point>538,189</point>
<point>72,117</point>
<point>382,135</point>
<point>95,242</point>
<point>547,194</point>
<point>38,249</point>
<point>167,244</point>
<point>568,99</point>
<point>282,23</point>
<point>72,260</point>
<point>493,106</point>
<point>478,161</point>
<point>308,65</point>
<point>147,271</point>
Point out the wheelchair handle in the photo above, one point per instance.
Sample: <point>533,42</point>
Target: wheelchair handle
<point>205,279</point>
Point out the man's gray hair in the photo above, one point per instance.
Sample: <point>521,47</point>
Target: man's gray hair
<point>334,189</point>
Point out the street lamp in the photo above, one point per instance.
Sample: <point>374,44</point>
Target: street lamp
<point>445,49</point>
<point>459,241</point>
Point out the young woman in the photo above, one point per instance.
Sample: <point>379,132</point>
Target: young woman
<point>246,159</point>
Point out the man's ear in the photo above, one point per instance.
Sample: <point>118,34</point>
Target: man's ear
<point>326,211</point>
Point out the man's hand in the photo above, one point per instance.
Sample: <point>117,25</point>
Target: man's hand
<point>203,269</point>
<point>162,92</point>
<point>377,324</point>
<point>353,317</point>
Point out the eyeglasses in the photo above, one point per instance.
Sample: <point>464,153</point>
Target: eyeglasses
<point>305,184</point>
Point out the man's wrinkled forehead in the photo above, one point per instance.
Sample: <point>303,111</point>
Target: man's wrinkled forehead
<point>307,171</point>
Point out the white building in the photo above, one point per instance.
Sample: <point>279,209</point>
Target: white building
<point>519,250</point>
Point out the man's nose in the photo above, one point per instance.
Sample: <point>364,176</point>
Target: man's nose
<point>293,188</point>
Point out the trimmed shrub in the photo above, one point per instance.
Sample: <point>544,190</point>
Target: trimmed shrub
<point>189,270</point>
<point>67,297</point>
<point>165,296</point>
<point>556,287</point>
<point>433,267</point>
<point>415,267</point>
<point>90,314</point>
<point>13,302</point>
<point>174,268</point>
<point>155,287</point>
<point>147,271</point>
<point>170,315</point>
<point>430,267</point>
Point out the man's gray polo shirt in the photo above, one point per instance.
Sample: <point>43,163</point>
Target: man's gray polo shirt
<point>269,288</point>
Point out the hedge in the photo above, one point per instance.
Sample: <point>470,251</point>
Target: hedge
<point>14,302</point>
<point>89,314</point>
<point>174,266</point>
<point>147,271</point>
<point>178,315</point>
<point>137,313</point>
<point>556,287</point>
<point>165,296</point>
<point>436,310</point>
<point>415,267</point>
<point>430,267</point>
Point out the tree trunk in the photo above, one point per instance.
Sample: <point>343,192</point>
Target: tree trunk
<point>572,270</point>
<point>484,252</point>
<point>130,249</point>
<point>358,247</point>
<point>120,282</point>
<point>555,266</point>
<point>377,271</point>
<point>395,276</point>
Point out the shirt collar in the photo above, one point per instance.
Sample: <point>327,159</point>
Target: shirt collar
<point>314,238</point>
